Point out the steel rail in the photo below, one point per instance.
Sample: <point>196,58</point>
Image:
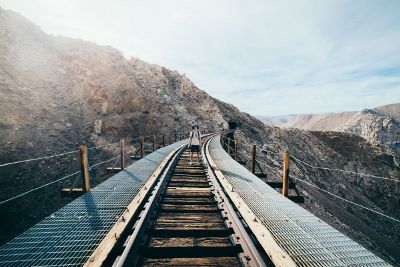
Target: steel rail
<point>151,201</point>
<point>250,255</point>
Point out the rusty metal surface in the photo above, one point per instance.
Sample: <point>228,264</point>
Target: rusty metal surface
<point>70,235</point>
<point>308,240</point>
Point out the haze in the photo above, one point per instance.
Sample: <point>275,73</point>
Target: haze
<point>265,57</point>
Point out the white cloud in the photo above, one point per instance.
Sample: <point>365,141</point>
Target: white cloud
<point>266,57</point>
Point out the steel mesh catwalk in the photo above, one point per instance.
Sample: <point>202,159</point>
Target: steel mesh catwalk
<point>308,240</point>
<point>70,235</point>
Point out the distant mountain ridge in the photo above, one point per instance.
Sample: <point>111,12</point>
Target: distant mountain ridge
<point>380,125</point>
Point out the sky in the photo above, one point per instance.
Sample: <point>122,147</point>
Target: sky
<point>265,57</point>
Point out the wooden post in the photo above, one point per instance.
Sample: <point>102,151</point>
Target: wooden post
<point>163,140</point>
<point>236,150</point>
<point>154,142</point>
<point>122,153</point>
<point>253,159</point>
<point>285,177</point>
<point>85,169</point>
<point>175,137</point>
<point>142,147</point>
<point>229,147</point>
<point>169,139</point>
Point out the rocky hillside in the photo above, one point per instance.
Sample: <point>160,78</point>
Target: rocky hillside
<point>380,125</point>
<point>392,111</point>
<point>57,93</point>
<point>342,151</point>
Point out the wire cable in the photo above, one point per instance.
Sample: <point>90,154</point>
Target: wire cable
<point>37,188</point>
<point>103,146</point>
<point>269,167</point>
<point>102,162</point>
<point>35,159</point>
<point>345,171</point>
<point>265,151</point>
<point>395,162</point>
<point>348,201</point>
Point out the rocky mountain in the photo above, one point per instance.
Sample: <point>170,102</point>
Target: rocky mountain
<point>57,93</point>
<point>380,125</point>
<point>392,110</point>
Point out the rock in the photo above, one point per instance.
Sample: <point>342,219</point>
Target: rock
<point>107,97</point>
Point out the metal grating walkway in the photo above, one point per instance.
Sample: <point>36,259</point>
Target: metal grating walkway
<point>308,240</point>
<point>69,236</point>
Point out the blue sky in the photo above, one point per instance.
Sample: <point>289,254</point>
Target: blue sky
<point>265,57</point>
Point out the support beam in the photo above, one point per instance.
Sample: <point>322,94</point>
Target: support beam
<point>228,149</point>
<point>114,169</point>
<point>122,153</point>
<point>285,180</point>
<point>279,185</point>
<point>253,158</point>
<point>84,169</point>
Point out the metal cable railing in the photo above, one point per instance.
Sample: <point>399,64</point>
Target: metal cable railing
<point>102,162</point>
<point>308,164</point>
<point>274,168</point>
<point>340,170</point>
<point>346,200</point>
<point>141,139</point>
<point>37,188</point>
<point>40,158</point>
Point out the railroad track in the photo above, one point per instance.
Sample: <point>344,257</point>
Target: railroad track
<point>187,220</point>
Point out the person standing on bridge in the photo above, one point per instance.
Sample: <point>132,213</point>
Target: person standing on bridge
<point>195,143</point>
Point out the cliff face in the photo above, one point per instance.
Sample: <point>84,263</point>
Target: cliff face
<point>53,84</point>
<point>376,128</point>
<point>380,125</point>
<point>57,93</point>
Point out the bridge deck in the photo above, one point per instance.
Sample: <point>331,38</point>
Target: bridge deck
<point>308,240</point>
<point>69,236</point>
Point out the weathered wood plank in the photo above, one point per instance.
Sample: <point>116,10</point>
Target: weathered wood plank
<point>211,261</point>
<point>190,242</point>
<point>185,207</point>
